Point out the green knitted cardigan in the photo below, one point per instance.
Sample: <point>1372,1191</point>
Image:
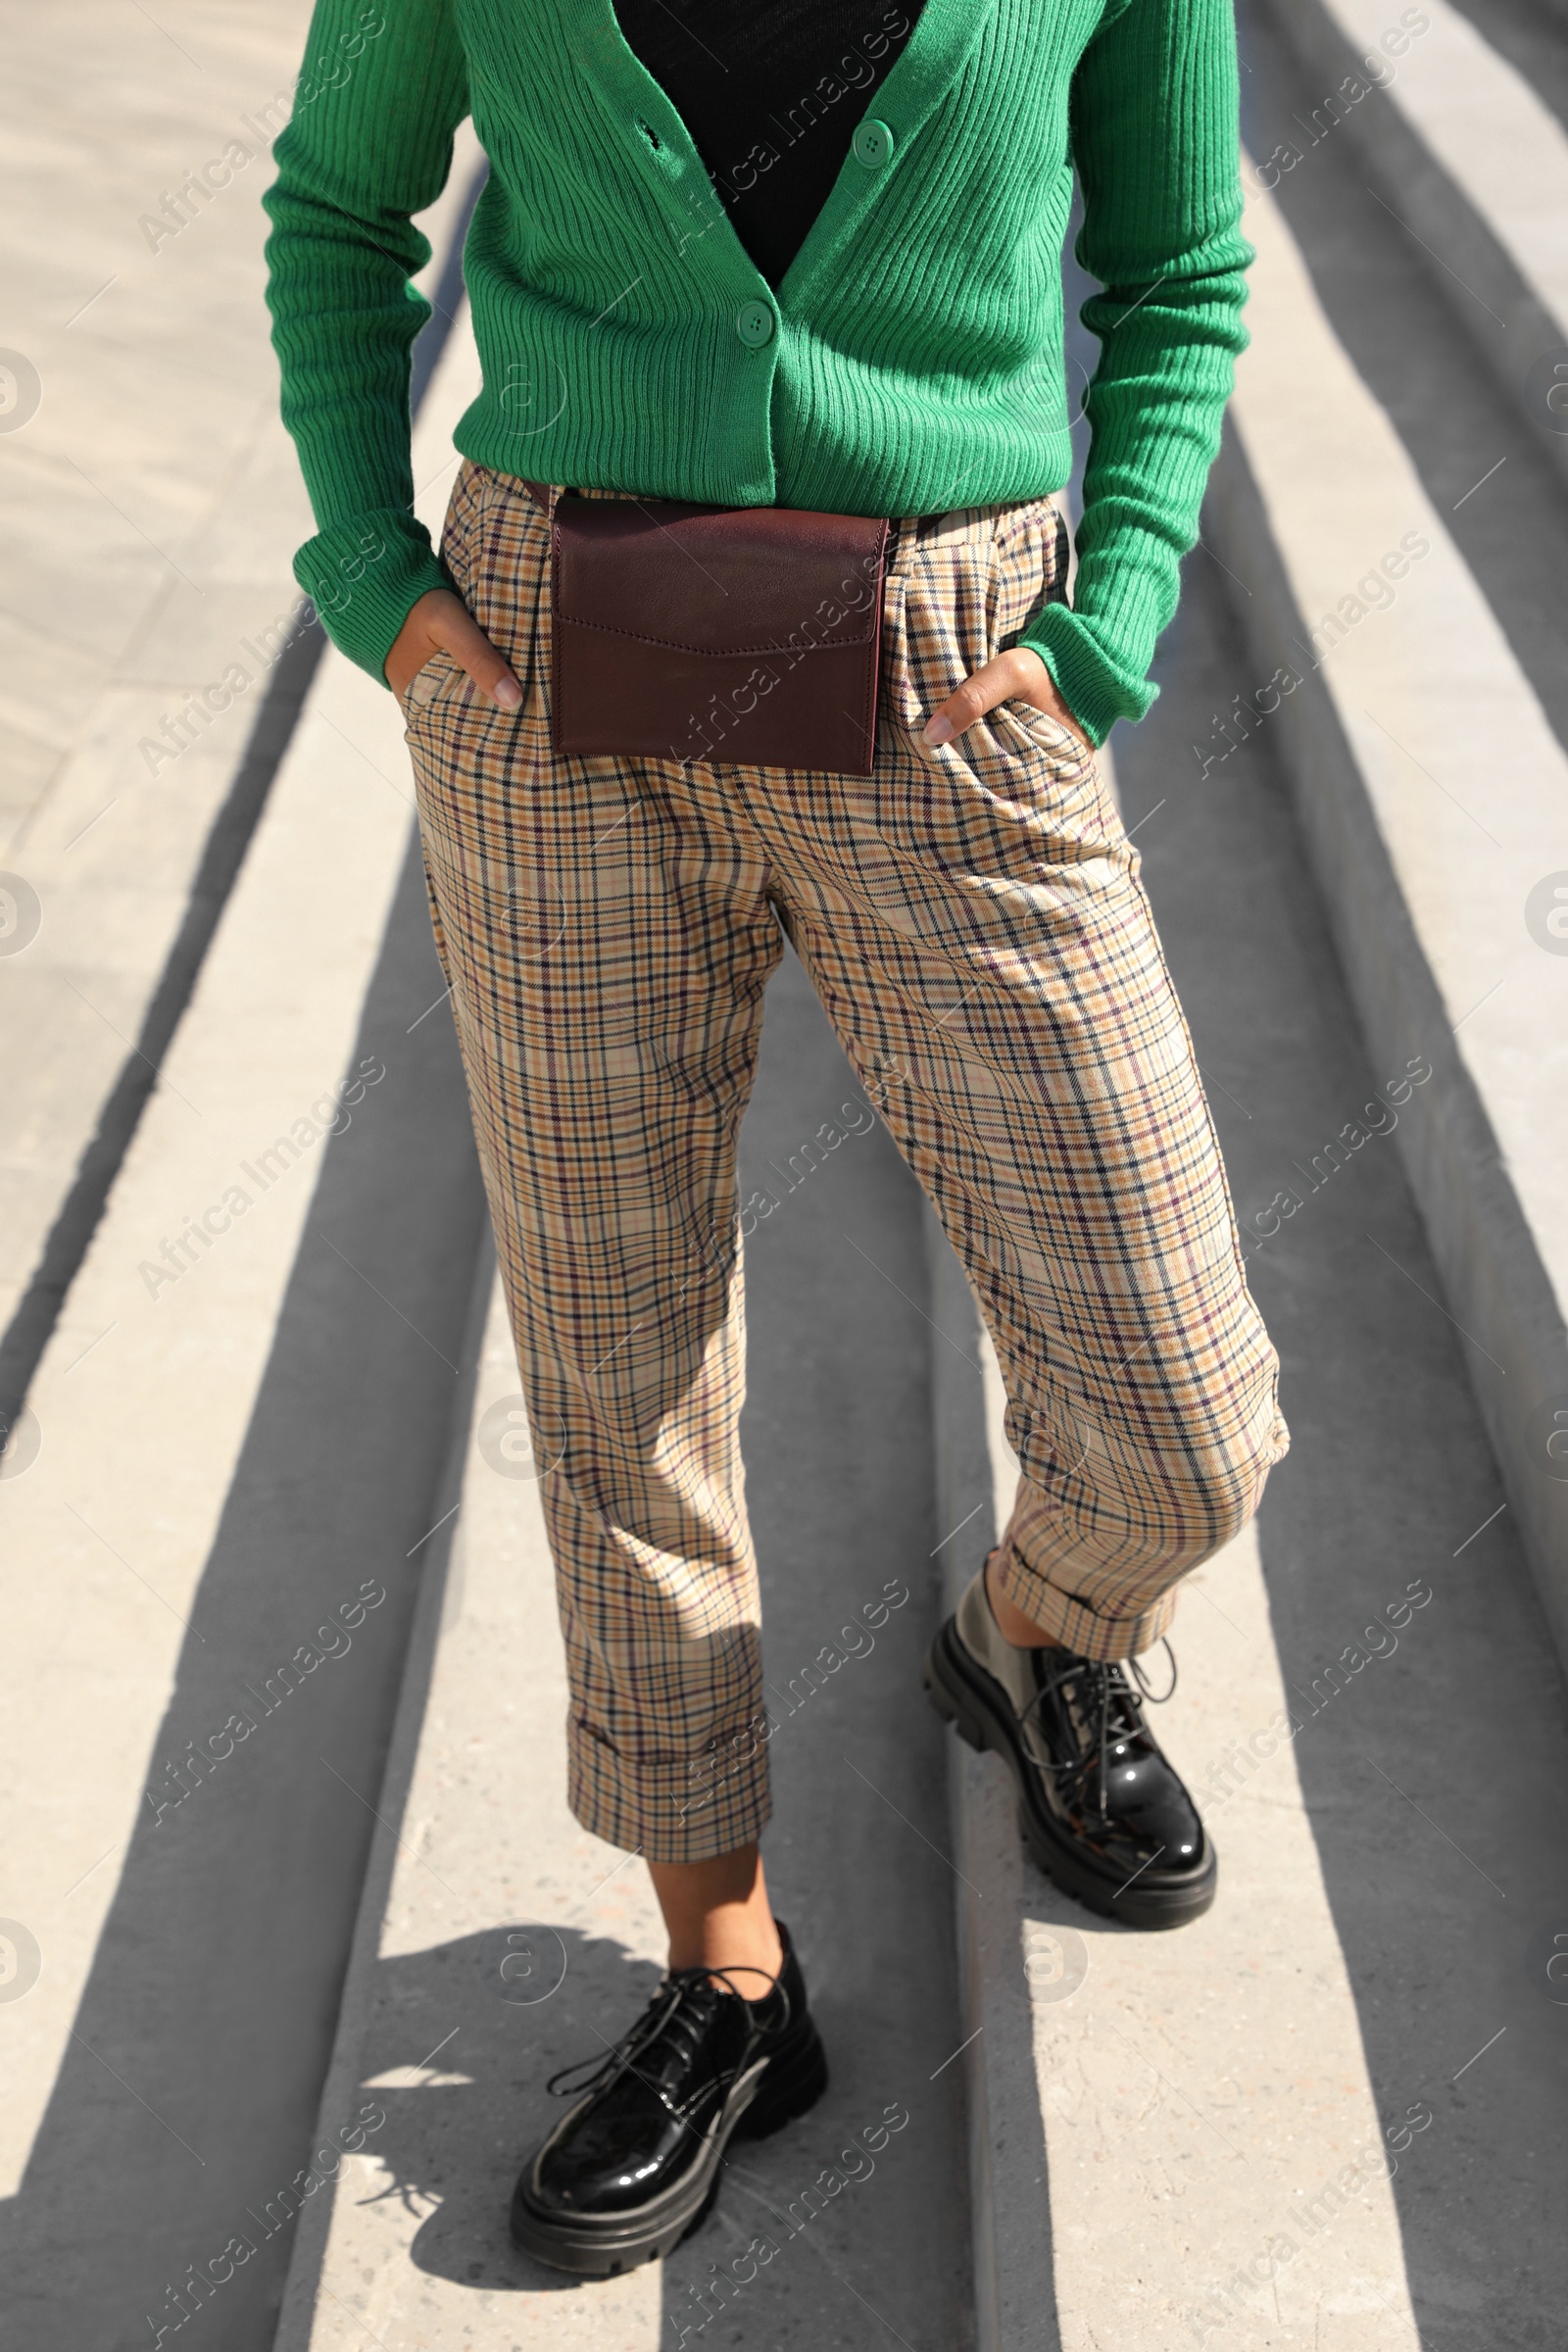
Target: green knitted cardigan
<point>909,361</point>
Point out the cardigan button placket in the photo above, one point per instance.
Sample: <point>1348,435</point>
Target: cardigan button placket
<point>753,324</point>
<point>873,145</point>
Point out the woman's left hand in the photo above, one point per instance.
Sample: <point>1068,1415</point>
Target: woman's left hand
<point>1018,675</point>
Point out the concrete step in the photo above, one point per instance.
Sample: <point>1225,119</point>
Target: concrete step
<point>196,1504</point>
<point>150,484</point>
<point>1391,654</point>
<point>119,863</point>
<point>1467,156</point>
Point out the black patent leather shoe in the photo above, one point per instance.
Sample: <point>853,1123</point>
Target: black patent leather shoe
<point>1103,1811</point>
<point>634,2164</point>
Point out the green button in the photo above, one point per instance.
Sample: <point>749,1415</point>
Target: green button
<point>872,144</point>
<point>753,324</point>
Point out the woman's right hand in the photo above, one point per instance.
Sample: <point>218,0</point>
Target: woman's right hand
<point>440,622</point>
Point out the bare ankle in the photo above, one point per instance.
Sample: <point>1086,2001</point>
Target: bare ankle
<point>720,1917</point>
<point>1011,1623</point>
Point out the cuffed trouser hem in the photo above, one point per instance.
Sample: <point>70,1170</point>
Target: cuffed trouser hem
<point>678,1809</point>
<point>1070,1621</point>
<point>1135,1546</point>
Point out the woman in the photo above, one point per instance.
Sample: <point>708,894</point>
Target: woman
<point>805,256</point>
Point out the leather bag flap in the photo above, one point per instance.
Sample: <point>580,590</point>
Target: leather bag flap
<point>719,580</point>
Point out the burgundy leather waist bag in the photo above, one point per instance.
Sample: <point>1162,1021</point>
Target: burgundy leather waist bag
<point>728,634</point>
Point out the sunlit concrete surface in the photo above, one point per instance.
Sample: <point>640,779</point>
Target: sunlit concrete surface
<point>1479,116</point>
<point>152,506</point>
<point>1371,384</point>
<point>151,498</point>
<point>1465,773</point>
<point>169,1336</point>
<point>303,1177</point>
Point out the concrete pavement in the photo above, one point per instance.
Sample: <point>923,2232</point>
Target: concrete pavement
<point>1396,534</point>
<point>149,498</point>
<point>200,1488</point>
<point>149,680</point>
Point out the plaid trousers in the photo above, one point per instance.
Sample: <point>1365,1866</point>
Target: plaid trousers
<point>973,922</point>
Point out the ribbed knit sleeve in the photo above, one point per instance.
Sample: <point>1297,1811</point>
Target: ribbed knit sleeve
<point>1155,137</point>
<point>383,88</point>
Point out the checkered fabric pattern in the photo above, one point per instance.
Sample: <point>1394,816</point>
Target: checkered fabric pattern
<point>974,924</point>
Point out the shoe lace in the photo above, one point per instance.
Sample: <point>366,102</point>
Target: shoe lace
<point>679,2011</point>
<point>1114,1709</point>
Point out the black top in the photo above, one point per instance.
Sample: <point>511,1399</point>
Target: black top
<point>771,95</point>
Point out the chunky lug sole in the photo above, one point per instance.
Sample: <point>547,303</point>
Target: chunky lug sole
<point>980,1713</point>
<point>772,2093</point>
